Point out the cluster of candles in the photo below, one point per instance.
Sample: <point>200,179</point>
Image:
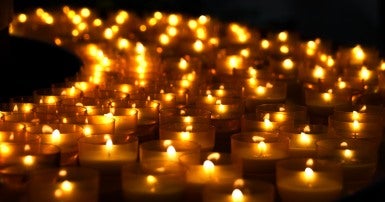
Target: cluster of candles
<point>174,107</point>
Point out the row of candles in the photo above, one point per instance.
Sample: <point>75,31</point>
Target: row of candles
<point>172,107</point>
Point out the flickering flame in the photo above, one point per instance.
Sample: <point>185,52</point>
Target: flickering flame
<point>358,53</point>
<point>265,44</point>
<point>309,162</point>
<point>348,154</point>
<point>214,156</point>
<point>257,138</point>
<point>304,138</point>
<point>288,64</point>
<point>309,175</point>
<point>66,186</point>
<point>260,90</point>
<point>56,136</point>
<point>151,180</point>
<point>318,72</point>
<point>282,36</point>
<point>327,96</point>
<point>284,49</point>
<point>261,148</point>
<point>364,73</point>
<point>355,115</point>
<point>343,144</point>
<point>234,61</point>
<point>356,125</point>
<point>183,64</point>
<point>185,135</point>
<point>237,195</point>
<point>27,148</point>
<point>208,166</point>
<point>266,120</point>
<point>306,129</point>
<point>363,108</point>
<point>28,160</point>
<point>341,84</point>
<point>171,152</point>
<point>198,46</point>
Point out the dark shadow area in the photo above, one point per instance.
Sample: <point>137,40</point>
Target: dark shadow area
<point>28,65</point>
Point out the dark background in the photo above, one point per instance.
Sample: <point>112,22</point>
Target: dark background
<point>344,22</point>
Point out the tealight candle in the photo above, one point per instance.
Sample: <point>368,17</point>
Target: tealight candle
<point>257,152</point>
<point>212,169</point>
<point>301,179</point>
<point>358,158</point>
<point>65,136</point>
<point>264,122</point>
<point>167,150</point>
<point>303,138</point>
<point>201,133</point>
<point>107,153</point>
<point>92,124</point>
<point>244,190</point>
<point>64,184</point>
<point>153,181</point>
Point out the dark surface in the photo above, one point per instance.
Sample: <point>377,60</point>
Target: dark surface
<point>27,65</point>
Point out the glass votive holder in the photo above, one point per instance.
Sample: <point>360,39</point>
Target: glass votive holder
<point>303,138</point>
<point>65,136</point>
<point>257,92</point>
<point>361,113</point>
<point>321,104</point>
<point>126,119</point>
<point>269,122</point>
<point>226,117</point>
<point>201,133</point>
<point>92,124</point>
<point>358,158</point>
<point>63,184</point>
<point>107,153</point>
<point>283,112</point>
<point>257,152</point>
<point>54,94</point>
<point>240,190</point>
<point>15,171</point>
<point>213,168</point>
<point>355,129</point>
<point>185,115</point>
<point>167,150</point>
<point>153,181</point>
<point>51,113</point>
<point>303,179</point>
<point>148,119</point>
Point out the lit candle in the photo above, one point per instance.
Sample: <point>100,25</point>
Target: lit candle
<point>257,152</point>
<point>64,184</point>
<point>314,180</point>
<point>153,181</point>
<point>166,150</point>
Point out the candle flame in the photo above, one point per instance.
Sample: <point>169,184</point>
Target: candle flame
<point>309,176</point>
<point>257,138</point>
<point>171,152</point>
<point>56,136</point>
<point>348,154</point>
<point>214,156</point>
<point>344,144</point>
<point>288,64</point>
<point>151,180</point>
<point>309,162</point>
<point>262,148</point>
<point>237,195</point>
<point>27,148</point>
<point>208,166</point>
<point>306,129</point>
<point>28,160</point>
<point>66,186</point>
<point>305,138</point>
